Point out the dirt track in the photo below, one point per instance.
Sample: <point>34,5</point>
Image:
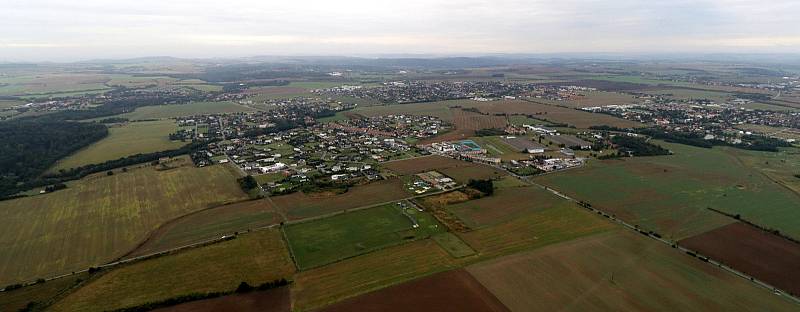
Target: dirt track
<point>762,255</point>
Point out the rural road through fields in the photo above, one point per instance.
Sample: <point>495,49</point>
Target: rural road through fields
<point>657,238</point>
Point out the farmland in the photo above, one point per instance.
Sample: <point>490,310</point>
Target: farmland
<point>454,290</point>
<point>505,205</point>
<point>105,216</point>
<point>208,224</point>
<point>41,294</point>
<point>763,255</point>
<point>53,84</point>
<point>301,205</point>
<point>351,277</point>
<point>274,300</point>
<point>558,223</point>
<point>618,271</point>
<point>255,258</point>
<point>178,110</point>
<point>327,240</point>
<point>671,194</point>
<point>558,114</point>
<point>466,120</point>
<point>125,140</point>
<point>594,98</point>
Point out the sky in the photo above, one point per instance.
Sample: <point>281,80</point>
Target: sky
<point>58,30</point>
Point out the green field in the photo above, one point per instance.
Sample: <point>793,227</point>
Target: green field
<point>506,204</point>
<point>124,140</point>
<point>323,241</point>
<point>54,83</point>
<point>671,194</point>
<point>254,258</point>
<point>102,217</point>
<point>180,110</point>
<point>619,271</point>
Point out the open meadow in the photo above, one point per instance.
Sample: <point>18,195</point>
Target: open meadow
<point>322,241</point>
<point>255,258</point>
<point>618,271</point>
<point>101,217</point>
<point>180,110</point>
<point>671,194</point>
<point>124,140</point>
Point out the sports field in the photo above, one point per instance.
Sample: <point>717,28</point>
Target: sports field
<point>300,205</point>
<point>124,140</point>
<point>671,194</point>
<point>331,283</point>
<point>254,258</point>
<point>209,224</point>
<point>330,239</point>
<point>619,271</point>
<point>180,110</point>
<point>102,217</point>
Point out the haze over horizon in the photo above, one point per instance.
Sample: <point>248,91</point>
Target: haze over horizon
<point>48,30</point>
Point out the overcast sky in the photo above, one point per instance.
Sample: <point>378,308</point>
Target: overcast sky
<point>58,30</point>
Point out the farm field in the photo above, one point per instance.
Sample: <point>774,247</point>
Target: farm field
<point>506,204</point>
<point>688,94</point>
<point>180,110</point>
<point>671,194</point>
<point>471,121</point>
<point>40,294</point>
<point>459,170</point>
<point>105,216</point>
<point>300,205</point>
<point>453,290</point>
<point>554,224</point>
<point>618,271</point>
<point>255,258</point>
<point>209,224</point>
<point>322,241</point>
<point>453,245</point>
<point>273,300</point>
<point>594,98</point>
<point>326,285</point>
<point>53,84</point>
<point>780,167</point>
<point>124,140</point>
<point>558,114</point>
<point>763,255</point>
<point>441,109</point>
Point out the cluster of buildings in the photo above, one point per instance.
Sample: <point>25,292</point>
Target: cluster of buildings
<point>427,91</point>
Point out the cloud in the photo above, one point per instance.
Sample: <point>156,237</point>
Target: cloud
<point>55,29</point>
